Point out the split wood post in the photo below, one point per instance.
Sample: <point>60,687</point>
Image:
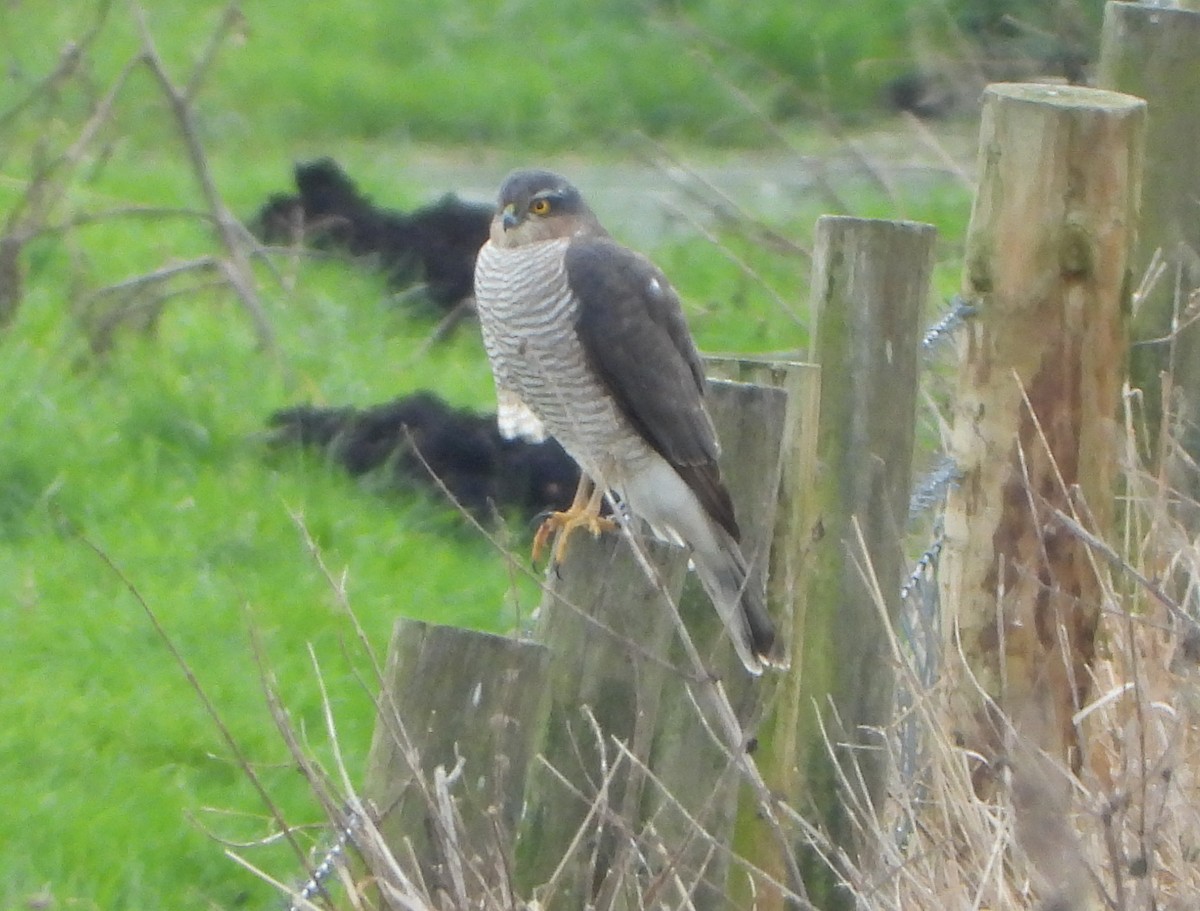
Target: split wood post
<point>778,751</point>
<point>1048,266</point>
<point>608,631</point>
<point>616,653</point>
<point>697,774</point>
<point>467,709</point>
<point>869,287</point>
<point>1153,52</point>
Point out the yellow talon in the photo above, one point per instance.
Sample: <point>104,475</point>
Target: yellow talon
<point>584,512</point>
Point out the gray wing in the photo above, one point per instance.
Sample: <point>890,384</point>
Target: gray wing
<point>632,329</point>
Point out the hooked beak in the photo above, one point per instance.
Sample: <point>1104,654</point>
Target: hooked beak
<point>508,217</point>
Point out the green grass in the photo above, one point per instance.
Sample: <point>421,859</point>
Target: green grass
<point>113,778</point>
<point>534,73</point>
<point>152,457</point>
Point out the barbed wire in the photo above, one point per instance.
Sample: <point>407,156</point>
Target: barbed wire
<point>314,886</point>
<point>953,319</point>
<point>918,617</point>
<point>930,491</point>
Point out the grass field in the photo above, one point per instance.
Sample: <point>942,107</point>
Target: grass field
<point>144,467</point>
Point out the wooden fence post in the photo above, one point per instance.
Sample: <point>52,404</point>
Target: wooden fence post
<point>454,696</point>
<point>779,752</point>
<point>472,709</point>
<point>1153,52</point>
<point>870,284</point>
<point>615,653</point>
<point>695,771</point>
<point>1047,266</point>
<point>608,633</point>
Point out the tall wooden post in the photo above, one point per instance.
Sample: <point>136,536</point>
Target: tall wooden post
<point>1048,267</point>
<point>1154,52</point>
<point>614,647</point>
<point>870,283</point>
<point>780,752</point>
<point>698,778</point>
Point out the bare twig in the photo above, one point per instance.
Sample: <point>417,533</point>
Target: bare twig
<point>232,234</point>
<point>68,64</point>
<point>231,17</point>
<point>724,207</point>
<point>41,192</point>
<point>746,269</point>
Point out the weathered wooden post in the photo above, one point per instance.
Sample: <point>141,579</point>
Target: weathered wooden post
<point>801,382</point>
<point>614,645</point>
<point>471,705</point>
<point>1048,267</point>
<point>608,632</point>
<point>1153,52</point>
<point>870,283</point>
<point>698,777</point>
<point>749,418</point>
<point>778,750</point>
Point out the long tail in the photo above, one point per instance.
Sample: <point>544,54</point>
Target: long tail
<point>664,500</point>
<point>726,579</point>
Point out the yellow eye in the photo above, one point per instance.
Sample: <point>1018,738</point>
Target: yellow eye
<point>540,206</point>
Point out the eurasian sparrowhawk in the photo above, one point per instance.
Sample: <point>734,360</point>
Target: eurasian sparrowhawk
<point>587,341</point>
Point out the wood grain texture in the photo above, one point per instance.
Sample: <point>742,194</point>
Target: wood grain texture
<point>869,288</point>
<point>452,696</point>
<point>1042,362</point>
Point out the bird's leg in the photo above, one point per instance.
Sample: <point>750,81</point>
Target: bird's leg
<point>589,517</point>
<point>557,520</point>
<point>584,512</point>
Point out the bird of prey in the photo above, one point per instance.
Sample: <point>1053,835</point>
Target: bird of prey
<point>588,342</point>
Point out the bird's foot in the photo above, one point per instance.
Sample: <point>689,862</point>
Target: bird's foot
<point>563,524</point>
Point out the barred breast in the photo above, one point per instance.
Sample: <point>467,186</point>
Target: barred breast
<point>527,313</point>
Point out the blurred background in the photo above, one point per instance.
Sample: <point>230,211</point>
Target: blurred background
<point>166,286</point>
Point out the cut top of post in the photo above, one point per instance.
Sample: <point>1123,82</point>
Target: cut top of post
<point>886,225</point>
<point>1066,96</point>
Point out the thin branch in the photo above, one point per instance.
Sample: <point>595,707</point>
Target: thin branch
<point>209,706</point>
<point>1118,562</point>
<point>230,17</point>
<point>41,195</point>
<point>230,231</point>
<point>68,64</point>
<point>744,267</point>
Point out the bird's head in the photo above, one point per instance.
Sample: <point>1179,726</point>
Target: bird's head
<point>539,205</point>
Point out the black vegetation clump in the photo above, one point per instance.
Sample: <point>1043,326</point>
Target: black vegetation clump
<point>434,246</point>
<point>413,436</point>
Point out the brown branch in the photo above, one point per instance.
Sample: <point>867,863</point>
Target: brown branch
<point>231,16</point>
<point>134,211</point>
<point>40,195</point>
<point>230,231</point>
<point>1118,562</point>
<point>164,273</point>
<point>68,64</point>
